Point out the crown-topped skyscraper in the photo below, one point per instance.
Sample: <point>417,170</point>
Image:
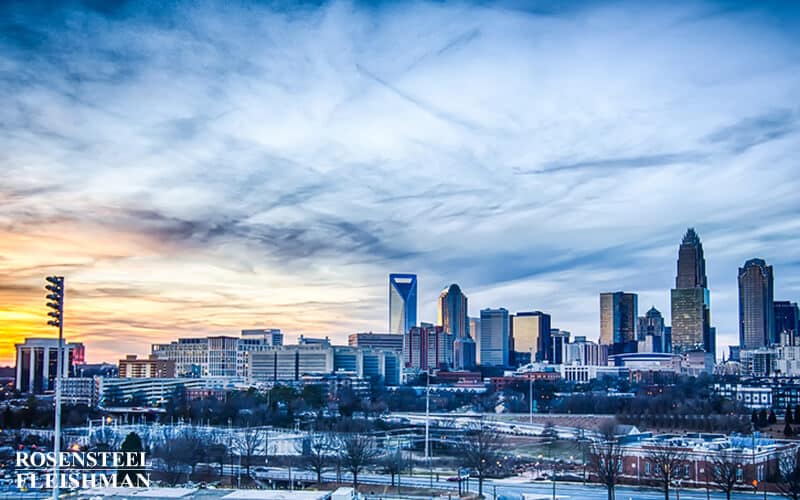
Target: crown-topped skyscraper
<point>691,302</point>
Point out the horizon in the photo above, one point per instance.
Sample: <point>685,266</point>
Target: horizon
<point>195,170</point>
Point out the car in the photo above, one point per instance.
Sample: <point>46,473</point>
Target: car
<point>453,479</point>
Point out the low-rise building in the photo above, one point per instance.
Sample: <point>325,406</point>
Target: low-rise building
<point>152,367</point>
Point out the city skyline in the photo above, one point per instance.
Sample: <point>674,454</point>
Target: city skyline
<point>187,184</point>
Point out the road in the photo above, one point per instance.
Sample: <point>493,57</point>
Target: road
<point>542,489</point>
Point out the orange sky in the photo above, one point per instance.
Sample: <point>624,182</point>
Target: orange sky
<point>126,291</point>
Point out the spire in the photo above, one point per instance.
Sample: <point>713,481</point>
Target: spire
<point>691,238</point>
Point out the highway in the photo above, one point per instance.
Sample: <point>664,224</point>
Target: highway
<point>542,490</point>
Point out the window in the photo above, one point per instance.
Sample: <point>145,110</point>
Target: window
<point>739,475</point>
<point>647,468</point>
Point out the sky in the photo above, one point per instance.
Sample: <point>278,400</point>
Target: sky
<point>198,168</point>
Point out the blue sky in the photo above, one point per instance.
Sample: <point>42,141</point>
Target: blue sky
<point>207,167</point>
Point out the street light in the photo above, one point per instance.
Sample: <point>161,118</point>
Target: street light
<point>55,285</point>
<point>530,388</point>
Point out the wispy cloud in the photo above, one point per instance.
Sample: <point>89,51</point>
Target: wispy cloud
<point>195,168</point>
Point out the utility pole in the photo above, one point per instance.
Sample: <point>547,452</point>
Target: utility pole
<point>428,422</point>
<point>530,389</point>
<point>56,297</point>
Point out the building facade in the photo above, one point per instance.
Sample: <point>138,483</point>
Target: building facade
<point>389,341</point>
<point>152,367</point>
<point>618,319</point>
<point>756,307</point>
<point>402,302</point>
<point>531,331</point>
<point>786,322</point>
<point>37,361</point>
<point>494,335</point>
<point>427,347</point>
<point>690,299</point>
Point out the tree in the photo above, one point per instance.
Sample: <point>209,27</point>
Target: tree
<point>788,418</point>
<point>131,476</point>
<point>762,418</point>
<point>788,478</point>
<point>667,461</point>
<point>772,419</point>
<point>358,451</point>
<point>479,449</point>
<point>724,469</point>
<point>393,463</point>
<point>605,458</point>
<point>315,454</point>
<point>248,441</point>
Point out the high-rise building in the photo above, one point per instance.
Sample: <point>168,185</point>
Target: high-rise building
<point>427,347</point>
<point>475,332</point>
<point>756,308</point>
<point>452,311</point>
<point>651,332</point>
<point>402,302</point>
<point>787,316</point>
<point>618,317</point>
<point>464,355</point>
<point>494,337</point>
<point>531,333</point>
<point>558,342</point>
<point>690,300</point>
<point>37,361</point>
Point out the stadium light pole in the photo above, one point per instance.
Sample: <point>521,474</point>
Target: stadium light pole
<point>55,285</point>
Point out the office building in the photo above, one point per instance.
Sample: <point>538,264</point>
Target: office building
<point>266,336</point>
<point>152,367</point>
<point>786,322</point>
<point>189,354</point>
<point>756,307</point>
<point>494,337</point>
<point>389,341</point>
<point>289,363</point>
<point>584,352</point>
<point>452,311</point>
<point>464,353</point>
<point>618,319</point>
<point>530,331</point>
<point>475,330</point>
<point>37,360</point>
<point>690,300</point>
<point>427,347</point>
<point>558,342</point>
<point>402,302</point>
<point>651,333</point>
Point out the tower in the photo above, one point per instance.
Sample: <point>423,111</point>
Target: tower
<point>402,302</point>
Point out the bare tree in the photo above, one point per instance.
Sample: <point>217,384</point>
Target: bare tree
<point>315,453</point>
<point>788,480</point>
<point>105,439</point>
<point>479,449</point>
<point>358,451</point>
<point>667,462</point>
<point>605,458</point>
<point>393,463</point>
<point>724,469</point>
<point>248,440</point>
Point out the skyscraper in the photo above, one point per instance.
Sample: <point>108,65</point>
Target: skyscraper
<point>691,301</point>
<point>651,332</point>
<point>453,311</point>
<point>618,317</point>
<point>531,332</point>
<point>402,302</point>
<point>787,316</point>
<point>494,337</point>
<point>756,308</point>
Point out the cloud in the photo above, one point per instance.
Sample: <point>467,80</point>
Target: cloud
<point>197,169</point>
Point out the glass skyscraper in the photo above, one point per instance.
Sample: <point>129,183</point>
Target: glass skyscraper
<point>453,311</point>
<point>786,321</point>
<point>402,302</point>
<point>618,318</point>
<point>691,301</point>
<point>756,307</point>
<point>494,337</point>
<point>531,334</point>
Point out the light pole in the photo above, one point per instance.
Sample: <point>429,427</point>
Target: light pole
<point>428,422</point>
<point>530,388</point>
<point>56,302</point>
